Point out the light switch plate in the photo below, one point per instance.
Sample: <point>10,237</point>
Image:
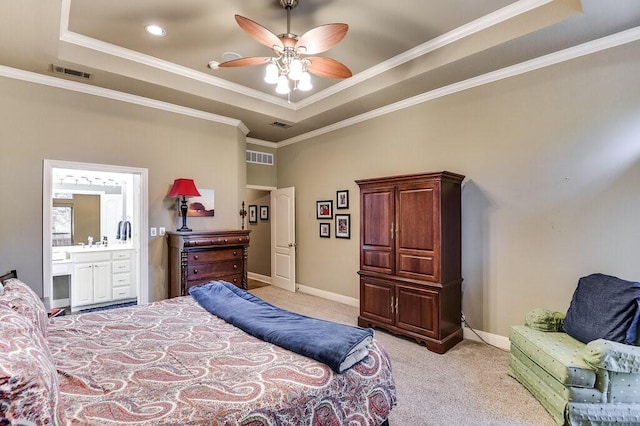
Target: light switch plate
<point>154,232</point>
<point>162,230</point>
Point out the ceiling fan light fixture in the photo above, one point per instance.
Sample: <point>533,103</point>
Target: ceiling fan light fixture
<point>304,83</point>
<point>283,85</point>
<point>271,73</point>
<point>295,69</point>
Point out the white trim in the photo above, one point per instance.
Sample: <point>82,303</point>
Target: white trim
<point>260,142</point>
<point>334,297</point>
<point>496,340</point>
<point>258,277</point>
<point>480,24</point>
<point>75,86</point>
<point>614,40</point>
<point>48,166</point>
<point>262,188</point>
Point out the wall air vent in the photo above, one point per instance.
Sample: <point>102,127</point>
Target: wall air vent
<point>281,125</point>
<point>260,158</point>
<point>68,71</point>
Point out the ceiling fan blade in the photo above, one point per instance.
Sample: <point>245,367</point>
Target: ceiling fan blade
<point>322,38</point>
<point>245,62</point>
<point>327,67</point>
<point>258,32</point>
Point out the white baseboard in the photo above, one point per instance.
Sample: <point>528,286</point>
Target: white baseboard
<point>351,301</point>
<point>258,277</point>
<point>501,342</point>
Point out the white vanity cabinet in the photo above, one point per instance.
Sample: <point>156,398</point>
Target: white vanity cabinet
<point>91,278</point>
<point>122,269</point>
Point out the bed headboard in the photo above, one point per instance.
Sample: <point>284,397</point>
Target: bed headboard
<point>10,274</point>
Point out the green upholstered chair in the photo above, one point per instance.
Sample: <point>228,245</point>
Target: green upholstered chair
<point>597,383</point>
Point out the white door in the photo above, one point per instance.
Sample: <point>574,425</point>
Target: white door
<point>283,238</point>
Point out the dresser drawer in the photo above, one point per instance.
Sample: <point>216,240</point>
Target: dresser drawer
<point>216,241</point>
<point>214,255</point>
<point>235,279</point>
<point>120,280</point>
<point>213,270</point>
<point>119,266</point>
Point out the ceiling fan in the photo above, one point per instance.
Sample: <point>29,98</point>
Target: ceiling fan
<point>291,66</point>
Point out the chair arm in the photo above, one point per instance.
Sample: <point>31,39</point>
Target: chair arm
<point>544,320</point>
<point>612,356</point>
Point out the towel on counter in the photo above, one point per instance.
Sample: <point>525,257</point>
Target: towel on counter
<point>337,345</point>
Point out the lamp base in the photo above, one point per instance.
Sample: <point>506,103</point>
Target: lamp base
<point>183,210</point>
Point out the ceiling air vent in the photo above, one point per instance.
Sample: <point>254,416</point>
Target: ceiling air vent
<point>260,157</point>
<point>68,71</point>
<point>281,125</point>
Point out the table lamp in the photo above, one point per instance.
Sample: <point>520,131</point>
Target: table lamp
<point>183,188</point>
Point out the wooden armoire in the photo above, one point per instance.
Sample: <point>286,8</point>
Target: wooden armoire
<point>410,257</point>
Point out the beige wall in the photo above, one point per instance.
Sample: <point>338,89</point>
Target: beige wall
<point>40,122</point>
<point>552,160</point>
<point>259,261</point>
<point>261,174</point>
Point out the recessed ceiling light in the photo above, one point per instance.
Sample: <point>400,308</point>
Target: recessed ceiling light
<point>155,30</point>
<point>229,56</point>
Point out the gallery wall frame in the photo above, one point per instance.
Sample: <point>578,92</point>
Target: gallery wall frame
<point>324,209</point>
<point>325,230</point>
<point>253,213</point>
<point>342,199</point>
<point>343,226</point>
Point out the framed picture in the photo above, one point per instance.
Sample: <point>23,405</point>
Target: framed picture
<point>264,212</point>
<point>343,226</point>
<point>325,230</point>
<point>342,199</point>
<point>324,209</point>
<point>253,213</point>
<point>200,206</point>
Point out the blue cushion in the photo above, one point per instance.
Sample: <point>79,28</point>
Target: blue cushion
<point>604,307</point>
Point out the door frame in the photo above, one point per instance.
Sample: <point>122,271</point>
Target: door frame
<point>141,209</point>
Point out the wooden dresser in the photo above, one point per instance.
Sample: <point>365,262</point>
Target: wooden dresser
<point>202,256</point>
<point>410,257</point>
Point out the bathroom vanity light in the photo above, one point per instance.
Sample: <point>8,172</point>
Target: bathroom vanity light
<point>183,188</point>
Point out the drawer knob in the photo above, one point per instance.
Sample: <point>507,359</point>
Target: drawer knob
<point>195,271</point>
<point>225,240</point>
<point>235,253</point>
<point>235,280</point>
<point>235,266</point>
<point>195,257</point>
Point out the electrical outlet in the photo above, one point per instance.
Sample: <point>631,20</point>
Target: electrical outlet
<point>162,230</point>
<point>154,232</point>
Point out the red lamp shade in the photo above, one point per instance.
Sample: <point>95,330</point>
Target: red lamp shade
<point>183,187</point>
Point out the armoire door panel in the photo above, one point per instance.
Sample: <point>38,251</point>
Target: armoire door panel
<point>412,265</point>
<point>418,310</point>
<point>416,213</point>
<point>376,260</point>
<point>376,227</point>
<point>376,300</point>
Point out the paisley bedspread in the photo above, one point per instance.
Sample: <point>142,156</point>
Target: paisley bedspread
<point>171,362</point>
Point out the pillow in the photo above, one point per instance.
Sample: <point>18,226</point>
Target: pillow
<point>19,296</point>
<point>604,307</point>
<point>544,320</point>
<point>29,386</point>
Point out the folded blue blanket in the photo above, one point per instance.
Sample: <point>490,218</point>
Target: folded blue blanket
<point>337,345</point>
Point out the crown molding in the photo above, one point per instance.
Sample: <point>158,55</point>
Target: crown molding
<point>87,89</point>
<point>614,40</point>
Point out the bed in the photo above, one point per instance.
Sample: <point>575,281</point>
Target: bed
<point>172,362</point>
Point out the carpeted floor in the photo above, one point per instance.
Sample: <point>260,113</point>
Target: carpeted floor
<point>468,385</point>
